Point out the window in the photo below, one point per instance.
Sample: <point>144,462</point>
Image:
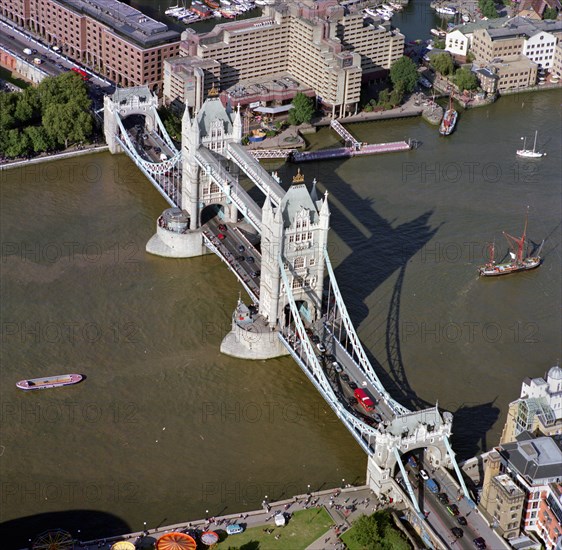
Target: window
<point>299,262</point>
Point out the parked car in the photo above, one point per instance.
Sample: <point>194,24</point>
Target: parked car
<point>461,520</point>
<point>480,543</point>
<point>423,475</point>
<point>234,529</point>
<point>458,532</point>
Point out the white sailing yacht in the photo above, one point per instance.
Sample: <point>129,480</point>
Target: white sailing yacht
<point>528,153</point>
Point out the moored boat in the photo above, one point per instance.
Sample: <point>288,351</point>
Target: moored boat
<point>449,120</point>
<point>519,261</point>
<point>446,10</point>
<point>49,382</point>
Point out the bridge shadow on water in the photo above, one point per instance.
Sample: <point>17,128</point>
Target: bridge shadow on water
<point>83,525</point>
<point>380,250</point>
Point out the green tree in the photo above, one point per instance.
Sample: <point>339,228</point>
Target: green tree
<point>550,13</point>
<point>377,532</point>
<point>397,94</point>
<point>302,110</point>
<point>488,8</point>
<point>39,139</point>
<point>465,79</point>
<point>67,123</point>
<point>404,70</point>
<point>442,63</point>
<point>17,144</point>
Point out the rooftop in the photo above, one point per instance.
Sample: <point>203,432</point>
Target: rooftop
<point>125,20</point>
<point>535,459</point>
<point>296,199</point>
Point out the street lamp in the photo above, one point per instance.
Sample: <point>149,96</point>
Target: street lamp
<point>206,515</point>
<point>343,483</point>
<point>308,491</point>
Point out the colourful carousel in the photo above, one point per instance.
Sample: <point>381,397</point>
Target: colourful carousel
<point>176,541</point>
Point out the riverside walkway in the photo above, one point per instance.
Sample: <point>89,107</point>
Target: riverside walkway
<point>334,501</point>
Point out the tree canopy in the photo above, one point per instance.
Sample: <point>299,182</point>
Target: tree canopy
<point>442,63</point>
<point>465,79</point>
<point>377,532</point>
<point>56,114</point>
<point>488,8</point>
<point>302,111</point>
<point>405,71</point>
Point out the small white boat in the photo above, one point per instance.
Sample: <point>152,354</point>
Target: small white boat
<point>446,10</point>
<point>49,382</point>
<point>530,153</point>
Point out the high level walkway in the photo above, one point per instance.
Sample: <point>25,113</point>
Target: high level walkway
<point>258,174</point>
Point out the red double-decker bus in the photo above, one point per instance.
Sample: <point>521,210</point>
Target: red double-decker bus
<point>83,74</point>
<point>364,400</point>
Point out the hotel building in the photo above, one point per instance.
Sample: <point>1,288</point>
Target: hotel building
<point>316,44</point>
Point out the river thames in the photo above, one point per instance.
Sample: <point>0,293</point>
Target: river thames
<point>165,428</point>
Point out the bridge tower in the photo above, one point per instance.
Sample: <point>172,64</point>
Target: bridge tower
<point>213,128</point>
<point>295,231</point>
<point>427,429</point>
<point>125,102</point>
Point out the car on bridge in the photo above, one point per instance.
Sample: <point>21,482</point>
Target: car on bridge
<point>352,385</point>
<point>337,367</point>
<point>364,400</point>
<point>250,259</point>
<point>344,377</point>
<point>255,274</point>
<point>377,418</point>
<point>221,236</point>
<point>462,520</point>
<point>241,248</point>
<point>423,475</point>
<point>480,543</point>
<point>453,509</point>
<point>458,532</point>
<point>443,498</point>
<point>321,347</point>
<point>222,227</point>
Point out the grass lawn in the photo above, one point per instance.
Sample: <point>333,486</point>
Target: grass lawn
<point>302,530</point>
<point>6,75</point>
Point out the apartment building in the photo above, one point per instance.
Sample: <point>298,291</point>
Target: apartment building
<point>113,38</point>
<point>533,464</point>
<point>557,61</point>
<point>549,519</point>
<point>515,37</point>
<point>317,44</point>
<point>503,502</point>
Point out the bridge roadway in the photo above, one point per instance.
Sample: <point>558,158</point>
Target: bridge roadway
<point>235,250</point>
<point>257,173</point>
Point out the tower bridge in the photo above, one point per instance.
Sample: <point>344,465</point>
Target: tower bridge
<point>279,254</point>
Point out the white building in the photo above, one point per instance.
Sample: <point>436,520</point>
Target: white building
<point>457,43</point>
<point>540,49</point>
<point>538,409</point>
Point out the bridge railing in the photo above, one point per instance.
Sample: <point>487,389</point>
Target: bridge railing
<point>364,362</point>
<point>365,434</point>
